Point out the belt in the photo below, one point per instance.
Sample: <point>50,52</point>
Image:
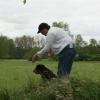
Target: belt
<point>71,46</point>
<point>68,46</point>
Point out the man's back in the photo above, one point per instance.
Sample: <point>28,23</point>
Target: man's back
<point>59,38</point>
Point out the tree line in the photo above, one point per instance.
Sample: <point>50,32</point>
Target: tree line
<point>25,46</point>
<point>20,47</point>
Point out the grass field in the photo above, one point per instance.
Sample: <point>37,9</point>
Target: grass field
<point>14,74</point>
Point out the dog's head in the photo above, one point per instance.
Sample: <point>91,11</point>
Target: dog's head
<point>39,69</point>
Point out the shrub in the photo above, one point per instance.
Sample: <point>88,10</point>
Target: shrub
<point>29,53</point>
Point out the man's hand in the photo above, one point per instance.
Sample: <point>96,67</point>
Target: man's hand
<point>34,58</point>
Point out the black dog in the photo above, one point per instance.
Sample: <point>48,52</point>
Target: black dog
<point>45,73</point>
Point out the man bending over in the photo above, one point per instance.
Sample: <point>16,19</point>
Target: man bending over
<point>60,43</point>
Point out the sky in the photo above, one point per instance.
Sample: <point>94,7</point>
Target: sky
<point>83,16</point>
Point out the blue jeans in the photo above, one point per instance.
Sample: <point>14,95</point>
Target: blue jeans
<point>65,58</point>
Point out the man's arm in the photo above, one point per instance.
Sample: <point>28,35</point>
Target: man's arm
<point>45,50</point>
<point>49,41</point>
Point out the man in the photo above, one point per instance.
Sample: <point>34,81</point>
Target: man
<point>60,43</point>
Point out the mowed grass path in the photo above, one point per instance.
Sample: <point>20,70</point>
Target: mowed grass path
<point>15,74</point>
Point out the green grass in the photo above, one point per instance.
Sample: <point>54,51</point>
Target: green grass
<point>16,74</point>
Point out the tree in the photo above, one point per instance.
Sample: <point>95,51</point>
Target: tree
<point>93,42</point>
<point>39,41</point>
<point>61,24</point>
<point>24,1</point>
<point>4,47</point>
<point>84,44</point>
<point>78,40</point>
<point>12,48</point>
<point>99,43</point>
<point>25,42</point>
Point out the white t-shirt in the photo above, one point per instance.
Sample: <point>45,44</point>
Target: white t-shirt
<point>56,40</point>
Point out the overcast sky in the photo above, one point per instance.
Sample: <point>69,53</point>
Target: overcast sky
<point>83,16</point>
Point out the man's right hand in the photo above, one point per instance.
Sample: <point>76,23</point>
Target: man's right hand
<point>34,58</point>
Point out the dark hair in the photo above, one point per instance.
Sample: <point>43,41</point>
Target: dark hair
<point>43,26</point>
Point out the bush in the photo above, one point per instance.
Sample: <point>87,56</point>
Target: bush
<point>28,54</point>
<point>95,57</point>
<point>4,95</point>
